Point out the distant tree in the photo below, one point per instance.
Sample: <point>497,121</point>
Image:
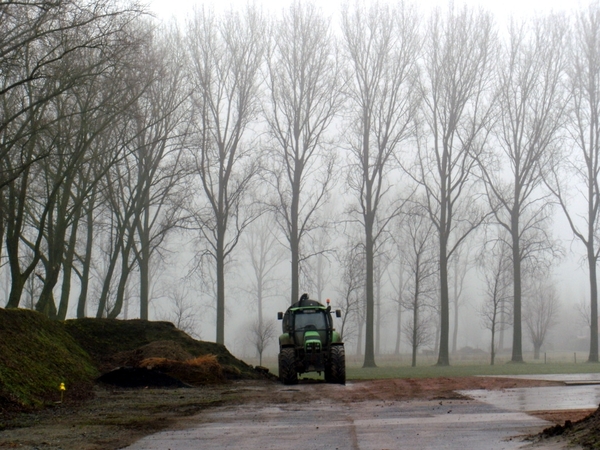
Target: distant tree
<point>351,288</point>
<point>531,105</point>
<point>261,336</point>
<point>541,310</point>
<point>456,74</point>
<point>304,95</point>
<point>421,268</point>
<point>225,55</point>
<point>316,271</point>
<point>380,44</point>
<point>581,160</point>
<point>261,246</point>
<point>183,312</point>
<point>495,263</point>
<point>398,280</point>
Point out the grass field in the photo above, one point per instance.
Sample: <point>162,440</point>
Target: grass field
<point>392,366</point>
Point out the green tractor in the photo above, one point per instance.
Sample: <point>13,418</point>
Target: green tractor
<point>309,343</point>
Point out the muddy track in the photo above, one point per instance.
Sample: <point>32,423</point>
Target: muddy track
<point>115,418</point>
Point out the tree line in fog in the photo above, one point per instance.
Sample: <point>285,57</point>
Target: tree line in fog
<point>397,147</point>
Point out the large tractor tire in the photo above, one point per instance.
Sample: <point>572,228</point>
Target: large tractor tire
<point>337,367</point>
<point>287,366</point>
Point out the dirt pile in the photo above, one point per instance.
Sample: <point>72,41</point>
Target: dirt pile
<point>196,372</point>
<point>116,343</point>
<point>158,349</point>
<point>584,432</point>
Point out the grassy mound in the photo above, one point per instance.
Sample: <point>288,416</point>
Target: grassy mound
<point>36,356</point>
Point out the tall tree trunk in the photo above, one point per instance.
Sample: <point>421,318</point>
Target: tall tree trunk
<point>378,305</point>
<point>415,337</point>
<point>220,268</point>
<point>398,330</point>
<point>517,348</point>
<point>456,293</point>
<point>87,259</point>
<point>592,266</point>
<point>492,348</point>
<point>443,356</point>
<point>108,281</point>
<point>65,291</point>
<point>369,360</point>
<point>399,315</point>
<point>125,272</point>
<point>294,237</point>
<point>144,264</point>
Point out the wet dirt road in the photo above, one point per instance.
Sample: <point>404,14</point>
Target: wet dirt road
<point>332,424</point>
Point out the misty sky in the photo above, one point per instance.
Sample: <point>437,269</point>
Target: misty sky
<point>503,8</point>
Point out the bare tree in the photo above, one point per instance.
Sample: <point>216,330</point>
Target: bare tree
<point>381,45</point>
<point>316,271</point>
<point>458,55</point>
<point>351,288</point>
<point>261,246</point>
<point>225,56</point>
<point>541,309</point>
<point>531,104</point>
<point>496,264</point>
<point>261,335</point>
<point>47,103</point>
<point>582,161</point>
<point>398,280</point>
<point>304,92</point>
<point>420,261</point>
<point>183,311</point>
<point>159,120</point>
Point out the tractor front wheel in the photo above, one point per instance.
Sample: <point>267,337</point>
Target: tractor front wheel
<point>287,366</point>
<point>337,367</point>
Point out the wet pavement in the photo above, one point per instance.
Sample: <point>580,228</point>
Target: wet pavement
<point>581,391</point>
<point>366,425</point>
<point>493,420</point>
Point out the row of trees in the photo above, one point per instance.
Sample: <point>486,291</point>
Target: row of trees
<point>115,132</point>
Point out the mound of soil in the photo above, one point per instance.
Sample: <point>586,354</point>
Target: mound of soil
<point>196,372</point>
<point>158,349</point>
<point>584,432</point>
<point>116,343</point>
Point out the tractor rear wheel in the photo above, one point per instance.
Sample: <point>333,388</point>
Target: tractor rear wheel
<point>287,366</point>
<point>337,368</point>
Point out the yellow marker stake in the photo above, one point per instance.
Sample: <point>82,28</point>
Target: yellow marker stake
<point>62,391</point>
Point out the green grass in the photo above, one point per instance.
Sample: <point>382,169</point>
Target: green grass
<point>387,371</point>
<point>36,355</point>
<point>392,367</point>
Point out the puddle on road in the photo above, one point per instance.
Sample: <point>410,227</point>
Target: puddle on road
<point>540,398</point>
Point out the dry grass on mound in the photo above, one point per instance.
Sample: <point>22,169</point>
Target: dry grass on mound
<point>204,369</point>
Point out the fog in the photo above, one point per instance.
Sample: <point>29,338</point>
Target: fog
<point>220,262</point>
